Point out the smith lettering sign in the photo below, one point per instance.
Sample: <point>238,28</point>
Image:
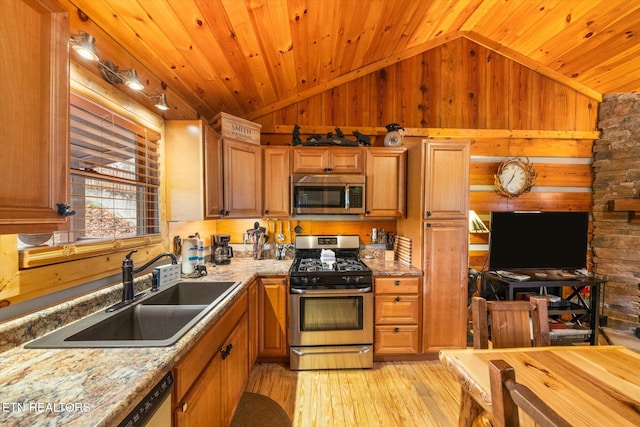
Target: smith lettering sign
<point>239,129</point>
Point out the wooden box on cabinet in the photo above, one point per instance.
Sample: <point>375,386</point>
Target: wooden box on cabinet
<point>334,160</point>
<point>397,315</point>
<point>34,165</point>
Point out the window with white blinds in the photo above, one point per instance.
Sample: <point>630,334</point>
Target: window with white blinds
<point>114,175</point>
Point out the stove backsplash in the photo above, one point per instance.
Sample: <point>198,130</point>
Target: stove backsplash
<point>246,251</point>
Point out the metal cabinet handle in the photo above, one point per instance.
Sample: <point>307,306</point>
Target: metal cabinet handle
<point>396,330</point>
<point>397,282</point>
<point>184,407</point>
<point>226,351</point>
<point>397,299</point>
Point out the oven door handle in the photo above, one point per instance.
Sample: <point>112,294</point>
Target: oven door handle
<point>334,350</point>
<point>332,291</point>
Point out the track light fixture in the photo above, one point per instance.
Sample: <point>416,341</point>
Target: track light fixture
<point>85,45</point>
<point>161,101</point>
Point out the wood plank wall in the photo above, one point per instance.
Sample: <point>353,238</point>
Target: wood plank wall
<point>464,90</point>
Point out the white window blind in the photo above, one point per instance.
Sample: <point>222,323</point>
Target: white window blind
<point>114,175</point>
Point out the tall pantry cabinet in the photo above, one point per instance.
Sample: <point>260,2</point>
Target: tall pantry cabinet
<point>437,224</point>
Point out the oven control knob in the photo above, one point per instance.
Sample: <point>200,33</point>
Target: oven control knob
<point>347,279</point>
<point>315,279</point>
<point>358,278</point>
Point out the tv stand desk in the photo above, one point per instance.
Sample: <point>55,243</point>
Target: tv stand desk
<point>582,309</point>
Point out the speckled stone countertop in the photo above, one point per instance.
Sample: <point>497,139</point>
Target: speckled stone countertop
<point>99,387</point>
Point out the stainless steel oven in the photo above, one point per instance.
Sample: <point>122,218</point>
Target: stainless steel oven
<point>331,303</point>
<point>328,194</point>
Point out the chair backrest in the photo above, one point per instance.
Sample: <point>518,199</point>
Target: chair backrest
<point>507,396</point>
<point>512,323</point>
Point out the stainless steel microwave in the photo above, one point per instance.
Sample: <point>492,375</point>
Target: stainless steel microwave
<point>328,194</point>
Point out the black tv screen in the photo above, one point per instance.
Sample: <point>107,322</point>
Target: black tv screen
<point>538,240</point>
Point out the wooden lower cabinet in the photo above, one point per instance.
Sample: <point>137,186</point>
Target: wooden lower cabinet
<point>210,379</point>
<point>254,323</point>
<point>397,315</point>
<point>273,301</point>
<point>445,286</point>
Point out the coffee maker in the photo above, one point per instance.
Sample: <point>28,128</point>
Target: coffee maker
<point>221,252</point>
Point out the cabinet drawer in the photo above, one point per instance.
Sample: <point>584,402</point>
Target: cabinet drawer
<point>397,285</point>
<point>401,339</point>
<point>392,309</point>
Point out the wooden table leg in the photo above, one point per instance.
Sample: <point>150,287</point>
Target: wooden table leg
<point>469,409</point>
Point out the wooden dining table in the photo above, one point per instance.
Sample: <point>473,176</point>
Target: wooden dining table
<point>586,385</point>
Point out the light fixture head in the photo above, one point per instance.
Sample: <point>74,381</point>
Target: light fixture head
<point>131,79</point>
<point>85,45</point>
<point>161,102</point>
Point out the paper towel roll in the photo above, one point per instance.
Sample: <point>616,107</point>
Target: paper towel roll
<point>189,255</point>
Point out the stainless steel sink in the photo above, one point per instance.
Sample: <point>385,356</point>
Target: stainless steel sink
<point>189,293</point>
<point>140,322</point>
<point>156,320</point>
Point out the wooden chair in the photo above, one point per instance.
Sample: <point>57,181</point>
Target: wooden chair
<point>507,396</point>
<point>512,323</point>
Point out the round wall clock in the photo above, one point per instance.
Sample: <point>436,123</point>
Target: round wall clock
<point>515,177</point>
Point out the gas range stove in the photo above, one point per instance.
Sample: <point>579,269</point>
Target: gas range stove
<point>329,262</point>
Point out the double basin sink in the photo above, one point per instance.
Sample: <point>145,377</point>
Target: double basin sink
<point>156,320</point>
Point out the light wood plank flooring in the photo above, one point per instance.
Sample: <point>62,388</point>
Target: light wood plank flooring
<point>391,394</point>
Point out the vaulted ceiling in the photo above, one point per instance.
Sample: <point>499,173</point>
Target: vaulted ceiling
<point>250,57</point>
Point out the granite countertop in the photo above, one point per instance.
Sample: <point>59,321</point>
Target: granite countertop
<point>81,387</point>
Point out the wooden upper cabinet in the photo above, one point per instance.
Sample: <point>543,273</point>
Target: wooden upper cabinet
<point>34,160</point>
<point>193,150</point>
<point>276,182</point>
<point>213,194</point>
<point>242,179</point>
<point>446,180</point>
<point>386,182</point>
<point>328,160</point>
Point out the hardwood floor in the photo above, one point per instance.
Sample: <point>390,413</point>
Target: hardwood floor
<point>391,394</point>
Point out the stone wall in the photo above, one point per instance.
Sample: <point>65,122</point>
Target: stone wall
<point>616,242</point>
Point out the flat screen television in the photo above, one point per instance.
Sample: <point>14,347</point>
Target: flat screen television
<point>538,240</point>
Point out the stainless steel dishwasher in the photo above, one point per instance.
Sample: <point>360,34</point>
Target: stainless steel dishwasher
<point>155,409</point>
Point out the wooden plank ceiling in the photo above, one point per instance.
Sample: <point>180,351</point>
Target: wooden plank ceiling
<point>250,57</point>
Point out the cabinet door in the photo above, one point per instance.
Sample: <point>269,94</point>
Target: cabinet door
<point>386,182</point>
<point>242,179</point>
<point>273,299</point>
<point>235,369</point>
<point>203,404</point>
<point>253,323</point>
<point>277,186</point>
<point>447,180</point>
<point>346,160</point>
<point>184,169</point>
<point>445,293</point>
<point>310,160</point>
<point>34,162</point>
<point>213,189</point>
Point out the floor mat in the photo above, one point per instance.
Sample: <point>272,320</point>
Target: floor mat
<point>259,411</point>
